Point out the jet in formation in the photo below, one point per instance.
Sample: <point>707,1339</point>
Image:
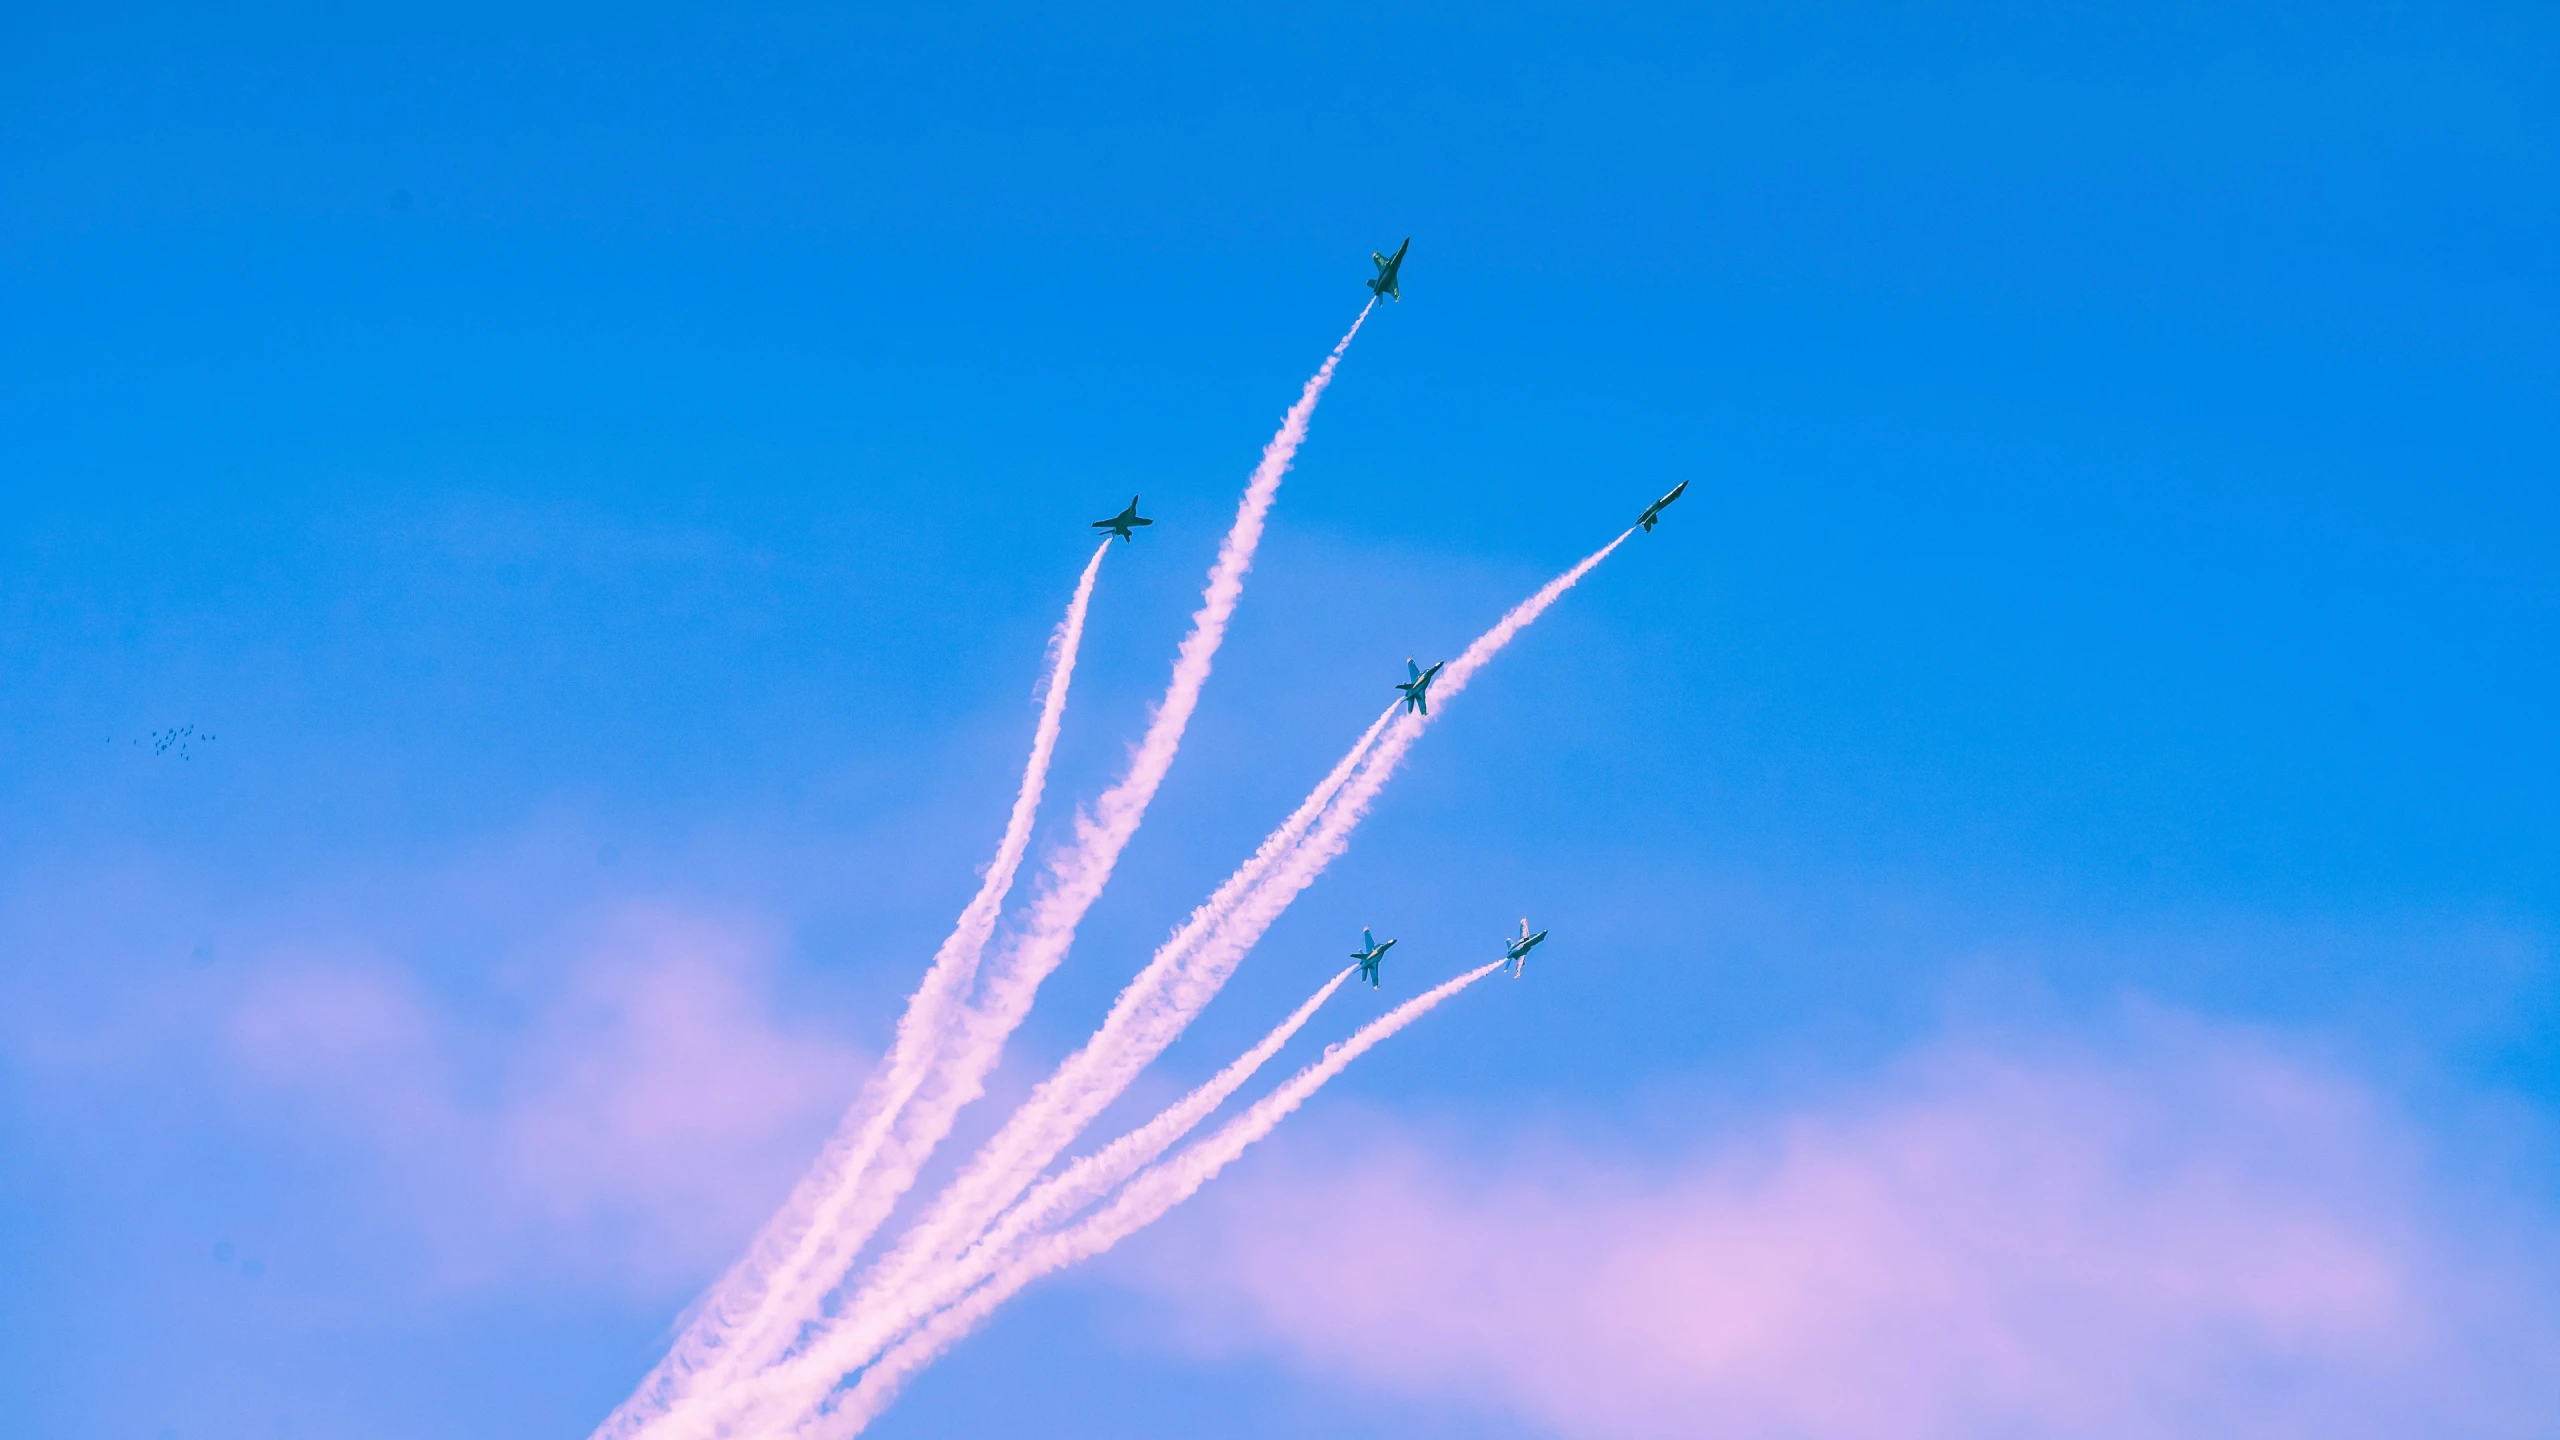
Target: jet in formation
<point>1369,954</point>
<point>1417,690</point>
<point>1119,524</point>
<point>1653,512</point>
<point>1387,265</point>
<point>1516,948</point>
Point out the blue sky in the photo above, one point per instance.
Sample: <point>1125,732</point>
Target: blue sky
<point>605,476</point>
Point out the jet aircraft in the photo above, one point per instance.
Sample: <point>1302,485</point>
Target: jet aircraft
<point>1387,265</point>
<point>1369,954</point>
<point>1119,524</point>
<point>1417,690</point>
<point>1653,512</point>
<point>1516,950</point>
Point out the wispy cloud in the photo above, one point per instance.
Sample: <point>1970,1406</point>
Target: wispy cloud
<point>2187,1232</point>
<point>649,1108</point>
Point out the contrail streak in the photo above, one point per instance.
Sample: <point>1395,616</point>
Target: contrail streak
<point>1334,833</point>
<point>1188,971</point>
<point>740,1315</point>
<point>971,1201</point>
<point>1150,1013</point>
<point>1074,879</point>
<point>1140,1204</point>
<point>1088,1180</point>
<point>1063,1104</point>
<point>873,1324</point>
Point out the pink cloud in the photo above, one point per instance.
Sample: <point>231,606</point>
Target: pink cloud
<point>2192,1235</point>
<point>652,1110</point>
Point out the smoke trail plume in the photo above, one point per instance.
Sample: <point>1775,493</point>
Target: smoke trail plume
<point>966,1208</point>
<point>1150,1013</point>
<point>1140,1204</point>
<point>876,1322</point>
<point>1331,836</point>
<point>741,1309</point>
<point>1063,1104</point>
<point>1057,1200</point>
<point>1189,971</point>
<point>1074,879</point>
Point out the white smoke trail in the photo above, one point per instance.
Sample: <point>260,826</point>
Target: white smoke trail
<point>1089,1179</point>
<point>1036,1132</point>
<point>954,1219</point>
<point>740,1312</point>
<point>1076,877</point>
<point>1140,1204</point>
<point>1330,837</point>
<point>1074,880</point>
<point>1150,1013</point>
<point>1183,977</point>
<point>880,1320</point>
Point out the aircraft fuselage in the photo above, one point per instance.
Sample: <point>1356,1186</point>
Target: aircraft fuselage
<point>1118,526</point>
<point>1653,512</point>
<point>1417,690</point>
<point>1388,265</point>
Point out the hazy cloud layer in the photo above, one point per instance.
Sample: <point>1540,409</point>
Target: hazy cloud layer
<point>612,1108</point>
<point>2183,1231</point>
<point>643,1117</point>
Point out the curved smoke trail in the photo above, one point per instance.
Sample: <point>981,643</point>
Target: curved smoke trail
<point>1151,1012</point>
<point>1074,879</point>
<point>965,1209</point>
<point>1334,834</point>
<point>1140,1204</point>
<point>1037,1131</point>
<point>741,1310</point>
<point>1059,1199</point>
<point>1186,973</point>
<point>873,1325</point>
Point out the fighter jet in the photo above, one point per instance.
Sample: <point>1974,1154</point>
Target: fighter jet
<point>1653,512</point>
<point>1369,954</point>
<point>1387,265</point>
<point>1418,689</point>
<point>1517,950</point>
<point>1119,524</point>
